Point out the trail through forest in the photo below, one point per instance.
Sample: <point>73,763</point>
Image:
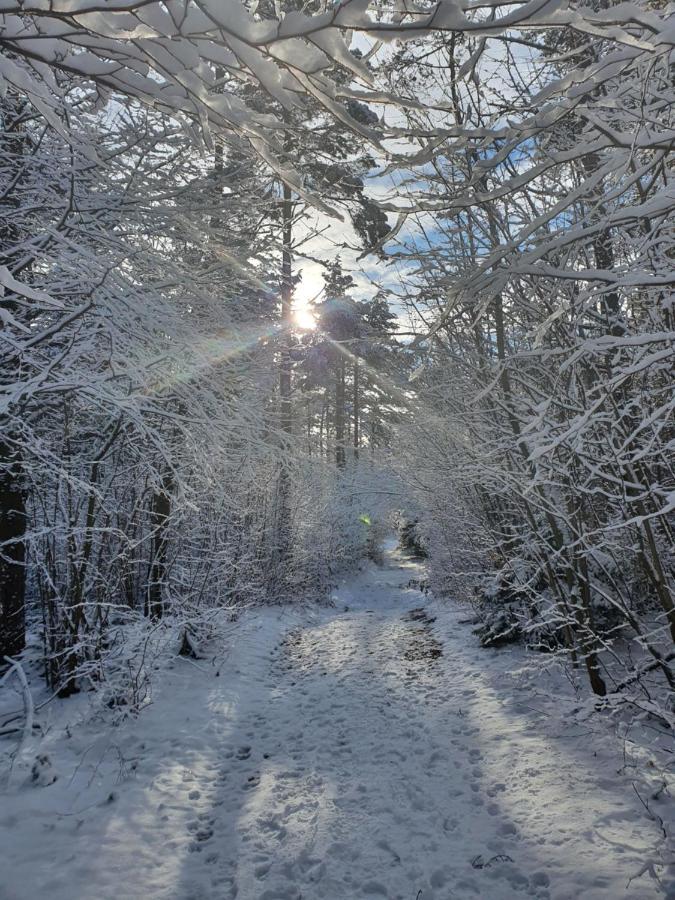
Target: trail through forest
<point>367,750</point>
<point>278,280</point>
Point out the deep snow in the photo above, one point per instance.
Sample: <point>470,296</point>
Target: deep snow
<point>367,750</point>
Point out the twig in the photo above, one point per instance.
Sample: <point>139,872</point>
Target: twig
<point>28,708</point>
<point>193,663</point>
<point>655,817</point>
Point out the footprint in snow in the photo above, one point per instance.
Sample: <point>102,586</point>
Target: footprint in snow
<point>252,782</point>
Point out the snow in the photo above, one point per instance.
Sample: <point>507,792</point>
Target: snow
<point>8,282</point>
<point>367,749</point>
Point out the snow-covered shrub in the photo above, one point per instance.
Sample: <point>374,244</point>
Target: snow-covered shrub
<point>339,522</point>
<point>411,537</point>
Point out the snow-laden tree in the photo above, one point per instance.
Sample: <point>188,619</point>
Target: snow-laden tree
<point>143,269</point>
<point>543,246</point>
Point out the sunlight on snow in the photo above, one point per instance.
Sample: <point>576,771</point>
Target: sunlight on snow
<point>531,779</point>
<point>300,831</point>
<point>528,778</point>
<point>163,814</point>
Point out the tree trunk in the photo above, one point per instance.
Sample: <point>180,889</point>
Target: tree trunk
<point>340,457</point>
<point>285,410</point>
<point>357,409</point>
<point>160,511</point>
<point>323,424</point>
<point>12,553</point>
<point>12,499</point>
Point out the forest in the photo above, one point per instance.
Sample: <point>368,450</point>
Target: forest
<point>337,449</point>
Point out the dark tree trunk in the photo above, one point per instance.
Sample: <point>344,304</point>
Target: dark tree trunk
<point>12,499</point>
<point>285,409</point>
<point>603,251</point>
<point>159,517</point>
<point>340,457</point>
<point>12,553</point>
<point>357,409</point>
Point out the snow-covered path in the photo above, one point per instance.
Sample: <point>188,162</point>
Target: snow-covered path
<point>369,751</point>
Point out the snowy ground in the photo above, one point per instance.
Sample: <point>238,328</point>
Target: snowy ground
<point>369,752</point>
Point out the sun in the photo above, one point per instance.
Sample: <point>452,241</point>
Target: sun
<point>303,316</point>
<point>305,295</point>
